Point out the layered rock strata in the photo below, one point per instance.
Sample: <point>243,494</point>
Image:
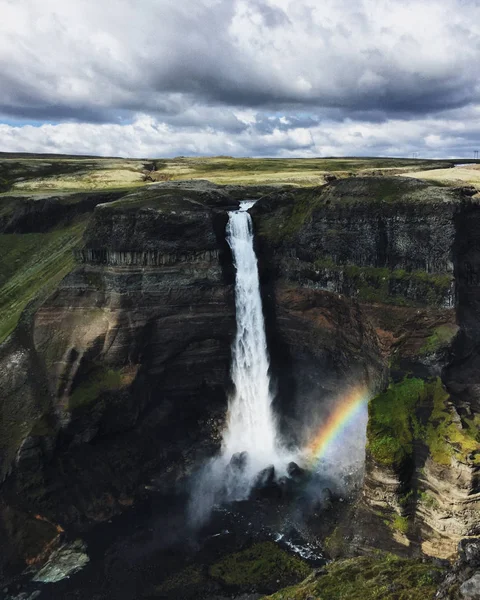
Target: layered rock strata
<point>122,373</point>
<point>403,255</point>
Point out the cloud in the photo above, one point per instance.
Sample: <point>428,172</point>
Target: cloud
<point>191,69</point>
<point>146,136</point>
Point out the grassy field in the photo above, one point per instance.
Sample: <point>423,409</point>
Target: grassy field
<point>31,265</point>
<point>27,174</point>
<point>298,172</point>
<point>461,175</point>
<point>69,174</point>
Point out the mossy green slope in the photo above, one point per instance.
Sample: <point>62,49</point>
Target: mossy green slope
<point>394,425</point>
<point>446,438</point>
<point>31,265</point>
<point>377,577</point>
<point>380,284</point>
<point>392,421</point>
<point>262,566</point>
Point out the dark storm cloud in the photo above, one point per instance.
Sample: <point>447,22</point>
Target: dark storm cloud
<point>236,72</point>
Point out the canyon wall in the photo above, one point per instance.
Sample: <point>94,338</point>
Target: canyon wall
<point>402,254</point>
<point>121,372</point>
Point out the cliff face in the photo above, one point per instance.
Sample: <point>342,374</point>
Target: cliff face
<point>120,371</point>
<point>402,255</point>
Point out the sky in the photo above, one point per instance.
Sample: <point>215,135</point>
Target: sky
<point>278,78</point>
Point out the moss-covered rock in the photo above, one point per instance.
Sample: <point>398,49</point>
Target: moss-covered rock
<point>99,381</point>
<point>394,425</point>
<point>393,422</point>
<point>390,286</point>
<point>377,577</point>
<point>187,583</point>
<point>263,567</point>
<point>448,436</point>
<point>31,266</point>
<point>440,337</point>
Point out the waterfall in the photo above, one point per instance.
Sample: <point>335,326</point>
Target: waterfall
<point>251,425</point>
<point>250,442</point>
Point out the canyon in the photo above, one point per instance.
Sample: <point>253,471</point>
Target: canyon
<point>117,372</point>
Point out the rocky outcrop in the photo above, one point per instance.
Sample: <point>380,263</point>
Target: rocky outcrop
<point>463,580</point>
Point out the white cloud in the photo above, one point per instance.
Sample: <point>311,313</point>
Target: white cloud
<point>149,137</point>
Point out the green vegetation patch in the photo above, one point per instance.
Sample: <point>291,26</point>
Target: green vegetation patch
<point>447,437</point>
<point>378,577</point>
<point>400,524</point>
<point>184,583</point>
<point>285,223</point>
<point>392,422</point>
<point>263,566</point>
<point>100,381</point>
<point>22,169</point>
<point>334,543</point>
<point>31,266</point>
<point>441,337</point>
<point>428,500</point>
<point>296,172</point>
<point>393,425</point>
<point>396,286</point>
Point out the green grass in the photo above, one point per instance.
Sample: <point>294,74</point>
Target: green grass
<point>392,422</point>
<point>297,172</point>
<point>428,500</point>
<point>31,265</point>
<point>447,438</point>
<point>393,425</point>
<point>35,173</point>
<point>440,338</point>
<point>400,524</point>
<point>99,381</point>
<point>43,172</point>
<point>262,566</point>
<point>378,577</point>
<point>377,284</point>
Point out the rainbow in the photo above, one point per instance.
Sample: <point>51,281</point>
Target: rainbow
<point>345,410</point>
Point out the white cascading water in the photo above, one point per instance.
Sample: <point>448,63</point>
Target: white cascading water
<point>250,438</point>
<point>251,424</point>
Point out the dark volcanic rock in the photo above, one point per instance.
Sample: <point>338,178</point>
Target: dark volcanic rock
<point>295,472</point>
<point>463,580</point>
<point>238,462</point>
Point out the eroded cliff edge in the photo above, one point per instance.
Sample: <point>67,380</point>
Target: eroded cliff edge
<point>122,372</point>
